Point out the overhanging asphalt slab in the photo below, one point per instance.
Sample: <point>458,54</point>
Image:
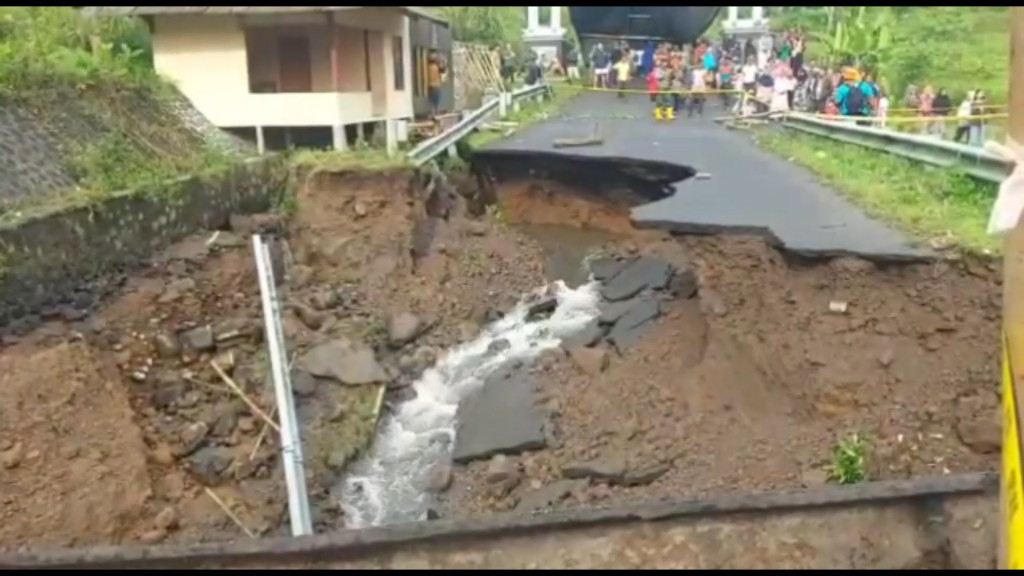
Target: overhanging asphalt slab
<point>749,190</point>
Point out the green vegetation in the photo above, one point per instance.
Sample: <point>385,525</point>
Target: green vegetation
<point>361,158</point>
<point>937,205</point>
<point>953,47</point>
<point>495,25</point>
<point>91,82</point>
<point>531,112</point>
<point>849,461</point>
<point>347,436</point>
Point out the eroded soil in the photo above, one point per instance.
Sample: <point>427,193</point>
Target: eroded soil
<point>750,385</point>
<point>115,428</point>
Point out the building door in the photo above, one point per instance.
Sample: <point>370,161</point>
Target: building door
<point>295,72</point>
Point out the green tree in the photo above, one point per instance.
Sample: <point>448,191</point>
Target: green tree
<point>491,25</point>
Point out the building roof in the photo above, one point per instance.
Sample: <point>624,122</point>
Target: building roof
<point>418,11</point>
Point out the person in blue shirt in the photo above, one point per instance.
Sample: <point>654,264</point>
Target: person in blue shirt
<point>854,96</point>
<point>711,66</point>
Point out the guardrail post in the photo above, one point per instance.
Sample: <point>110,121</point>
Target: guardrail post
<point>503,99</point>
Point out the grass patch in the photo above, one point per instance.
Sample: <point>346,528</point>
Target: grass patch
<point>358,158</point>
<point>89,83</point>
<point>935,205</point>
<point>530,112</point>
<point>339,442</point>
<point>849,461</point>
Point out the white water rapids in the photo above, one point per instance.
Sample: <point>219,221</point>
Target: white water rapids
<point>386,486</point>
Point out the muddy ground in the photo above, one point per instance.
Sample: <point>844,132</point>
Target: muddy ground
<point>750,385</point>
<point>115,428</point>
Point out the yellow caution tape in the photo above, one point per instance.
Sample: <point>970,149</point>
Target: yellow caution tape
<point>912,119</point>
<point>634,91</point>
<point>1013,490</point>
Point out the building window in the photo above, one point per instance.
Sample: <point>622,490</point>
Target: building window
<point>398,53</point>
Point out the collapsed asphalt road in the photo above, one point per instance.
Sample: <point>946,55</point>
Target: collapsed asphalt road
<point>621,181</point>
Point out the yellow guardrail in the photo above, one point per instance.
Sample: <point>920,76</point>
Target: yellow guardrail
<point>1012,487</point>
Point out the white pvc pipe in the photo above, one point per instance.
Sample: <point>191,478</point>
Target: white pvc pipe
<point>291,443</point>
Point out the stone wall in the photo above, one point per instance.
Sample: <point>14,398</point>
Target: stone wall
<point>61,261</point>
<point>39,139</point>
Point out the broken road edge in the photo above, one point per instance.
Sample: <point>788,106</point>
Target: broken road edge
<point>355,544</point>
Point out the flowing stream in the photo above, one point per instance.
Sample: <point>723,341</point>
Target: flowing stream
<point>386,486</point>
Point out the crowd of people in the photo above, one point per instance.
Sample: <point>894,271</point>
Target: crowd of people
<point>773,73</point>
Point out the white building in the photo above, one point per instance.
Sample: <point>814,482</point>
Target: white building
<point>297,73</point>
<point>544,38</point>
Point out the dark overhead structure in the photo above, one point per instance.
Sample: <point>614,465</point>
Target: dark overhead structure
<point>677,24</point>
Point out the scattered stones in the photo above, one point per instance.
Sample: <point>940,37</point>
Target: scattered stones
<point>12,457</point>
<point>152,537</point>
<point>498,346</point>
<point>176,289</point>
<point>980,434</point>
<point>542,308</point>
<point>313,319</point>
<point>167,346</point>
<point>346,361</point>
<point>303,383</point>
<point>226,361</point>
<point>503,476</point>
<point>550,495</point>
<point>592,361</point>
<point>684,283</point>
<point>438,478</point>
<point>611,469</point>
<point>404,328</point>
<point>192,437</point>
<point>208,465</point>
<point>167,519</point>
<point>199,339</point>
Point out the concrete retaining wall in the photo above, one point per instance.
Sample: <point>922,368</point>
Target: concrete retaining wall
<point>69,256</point>
<point>944,522</point>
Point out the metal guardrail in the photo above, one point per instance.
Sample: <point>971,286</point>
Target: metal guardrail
<point>973,161</point>
<point>431,148</point>
<point>291,442</point>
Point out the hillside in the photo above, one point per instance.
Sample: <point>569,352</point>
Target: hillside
<point>953,47</point>
<point>83,113</point>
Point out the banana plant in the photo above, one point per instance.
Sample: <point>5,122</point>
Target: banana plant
<point>859,35</point>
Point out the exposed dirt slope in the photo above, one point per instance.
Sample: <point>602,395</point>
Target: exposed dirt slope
<point>751,385</point>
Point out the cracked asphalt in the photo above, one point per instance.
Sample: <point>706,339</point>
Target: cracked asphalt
<point>749,190</point>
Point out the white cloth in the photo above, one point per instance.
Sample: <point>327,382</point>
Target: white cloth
<point>1010,201</point>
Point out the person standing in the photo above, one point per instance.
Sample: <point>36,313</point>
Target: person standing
<point>602,66</point>
<point>963,116</point>
<point>622,69</point>
<point>698,88</point>
<point>436,70</point>
<point>977,132</point>
<point>572,65</point>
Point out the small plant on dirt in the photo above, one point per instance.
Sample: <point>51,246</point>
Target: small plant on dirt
<point>494,212</point>
<point>375,332</point>
<point>848,466</point>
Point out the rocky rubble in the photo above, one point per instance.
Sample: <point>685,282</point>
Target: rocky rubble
<point>363,317</point>
<point>505,420</point>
